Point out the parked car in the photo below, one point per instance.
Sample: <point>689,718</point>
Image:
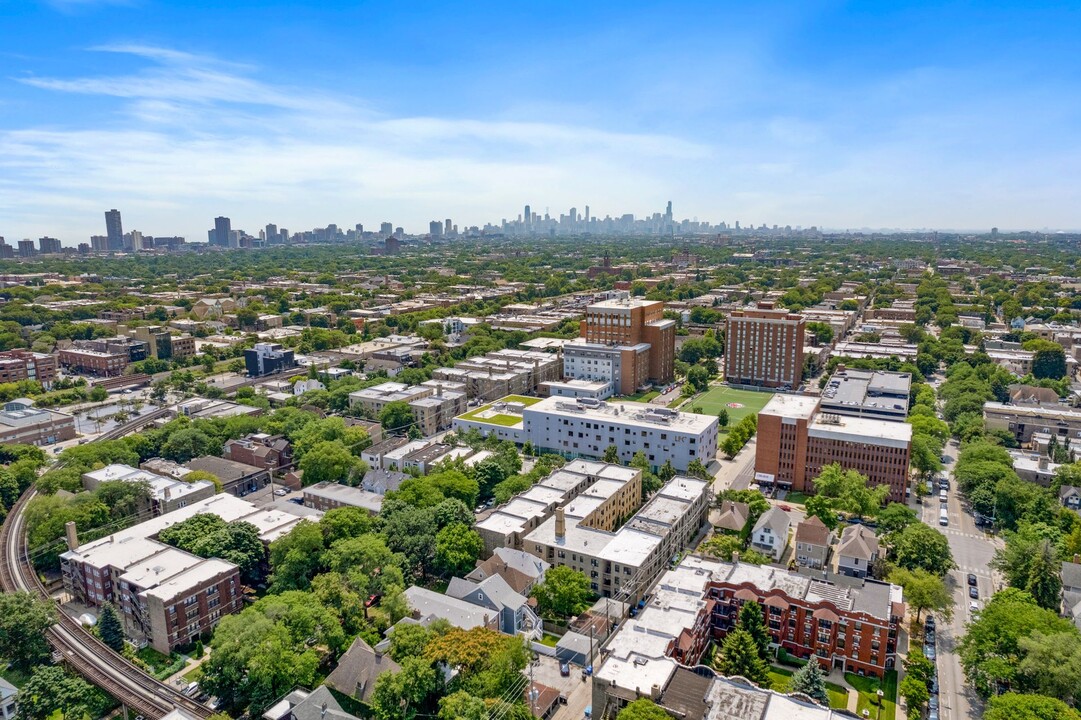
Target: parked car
<point>929,636</point>
<point>933,702</point>
<point>930,622</point>
<point>974,592</point>
<point>564,669</point>
<point>973,607</point>
<point>929,651</point>
<point>972,579</point>
<point>280,492</point>
<point>296,501</point>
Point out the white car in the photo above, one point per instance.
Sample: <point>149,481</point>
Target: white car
<point>281,492</point>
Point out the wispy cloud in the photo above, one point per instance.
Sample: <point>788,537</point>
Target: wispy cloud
<point>199,136</point>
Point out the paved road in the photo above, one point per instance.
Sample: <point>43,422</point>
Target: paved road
<point>972,550</point>
<point>737,473</point>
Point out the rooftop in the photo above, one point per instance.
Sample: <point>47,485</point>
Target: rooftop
<point>859,429</point>
<point>627,413</point>
<point>871,389</point>
<point>792,406</point>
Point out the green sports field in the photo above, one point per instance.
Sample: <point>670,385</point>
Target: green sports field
<point>719,397</point>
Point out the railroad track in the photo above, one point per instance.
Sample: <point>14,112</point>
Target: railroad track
<point>71,642</point>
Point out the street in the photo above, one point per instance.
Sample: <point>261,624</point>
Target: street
<point>972,550</point>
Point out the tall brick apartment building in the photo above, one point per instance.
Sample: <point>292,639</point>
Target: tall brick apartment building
<point>796,439</point>
<point>764,346</point>
<point>626,341</point>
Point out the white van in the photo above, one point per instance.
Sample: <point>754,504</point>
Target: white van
<point>943,517</point>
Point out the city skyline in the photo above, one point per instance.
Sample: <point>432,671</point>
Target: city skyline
<point>842,118</point>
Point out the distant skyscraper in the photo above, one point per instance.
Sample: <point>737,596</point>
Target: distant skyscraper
<point>528,217</point>
<point>114,230</point>
<point>271,234</point>
<point>223,227</point>
<point>447,226</point>
<point>587,214</point>
<point>435,228</point>
<point>386,229</point>
<point>48,245</point>
<point>26,248</point>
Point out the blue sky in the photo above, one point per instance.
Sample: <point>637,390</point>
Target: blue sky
<point>841,115</point>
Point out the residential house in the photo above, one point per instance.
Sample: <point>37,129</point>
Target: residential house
<point>813,540</point>
<point>733,516</point>
<point>515,615</point>
<point>857,551</point>
<point>358,669</point>
<point>319,704</point>
<point>8,696</point>
<point>520,570</point>
<point>770,533</point>
<point>1070,496</point>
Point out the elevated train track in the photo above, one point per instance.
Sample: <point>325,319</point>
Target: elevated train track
<point>71,642</point>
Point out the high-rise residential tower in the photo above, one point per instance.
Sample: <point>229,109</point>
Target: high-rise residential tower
<point>223,227</point>
<point>114,230</point>
<point>764,346</point>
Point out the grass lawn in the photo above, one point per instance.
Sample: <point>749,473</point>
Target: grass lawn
<point>869,700</point>
<point>549,640</point>
<point>18,678</point>
<point>496,418</point>
<point>642,397</point>
<point>712,400</point>
<point>194,675</point>
<point>795,497</point>
<point>780,677</point>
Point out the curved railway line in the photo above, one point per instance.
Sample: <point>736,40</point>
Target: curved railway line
<point>71,642</point>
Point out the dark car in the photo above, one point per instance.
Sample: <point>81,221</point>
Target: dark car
<point>972,579</point>
<point>929,651</point>
<point>929,636</point>
<point>296,501</point>
<point>974,592</point>
<point>564,669</point>
<point>930,622</point>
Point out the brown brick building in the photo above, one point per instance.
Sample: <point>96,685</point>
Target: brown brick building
<point>796,439</point>
<point>630,338</point>
<point>764,346</point>
<point>16,365</point>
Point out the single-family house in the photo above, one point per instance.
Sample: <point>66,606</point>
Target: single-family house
<point>813,541</point>
<point>732,516</point>
<point>770,533</point>
<point>857,551</point>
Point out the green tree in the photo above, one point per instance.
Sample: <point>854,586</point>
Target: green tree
<point>722,417</point>
<point>330,461</point>
<point>1051,665</point>
<point>457,548</point>
<point>739,656</point>
<point>1015,706</point>
<point>611,454</point>
<point>915,692</point>
<point>920,546</point>
<point>345,522</point>
<point>1044,582</point>
<point>894,518</point>
<point>1049,362</point>
<point>924,591</point>
<point>295,557</point>
<point>404,694</point>
<point>563,593</point>
<point>810,681</point>
<point>752,620</point>
<point>188,443</point>
<point>461,705</point>
<point>990,649</point>
<point>410,531</point>
<point>109,629</point>
<point>850,490</point>
<point>643,709</point>
<point>52,692</point>
<point>23,622</point>
<point>396,415</point>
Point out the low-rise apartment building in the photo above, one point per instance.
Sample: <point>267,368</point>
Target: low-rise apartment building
<point>162,344</point>
<point>796,439</point>
<point>587,428</point>
<point>166,493</point>
<point>624,561</point>
<point>260,450</point>
<point>877,394</point>
<point>326,496</point>
<point>17,365</point>
<point>434,403</point>
<point>165,596</point>
<point>657,653</point>
<point>1024,420</point>
<point>503,372</point>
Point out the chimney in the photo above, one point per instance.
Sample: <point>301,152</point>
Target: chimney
<point>655,693</point>
<point>735,557</point>
<point>561,523</point>
<point>72,535</point>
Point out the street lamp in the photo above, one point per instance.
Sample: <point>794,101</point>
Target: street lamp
<point>880,696</point>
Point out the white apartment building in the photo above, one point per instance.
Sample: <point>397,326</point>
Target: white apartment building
<point>587,427</point>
